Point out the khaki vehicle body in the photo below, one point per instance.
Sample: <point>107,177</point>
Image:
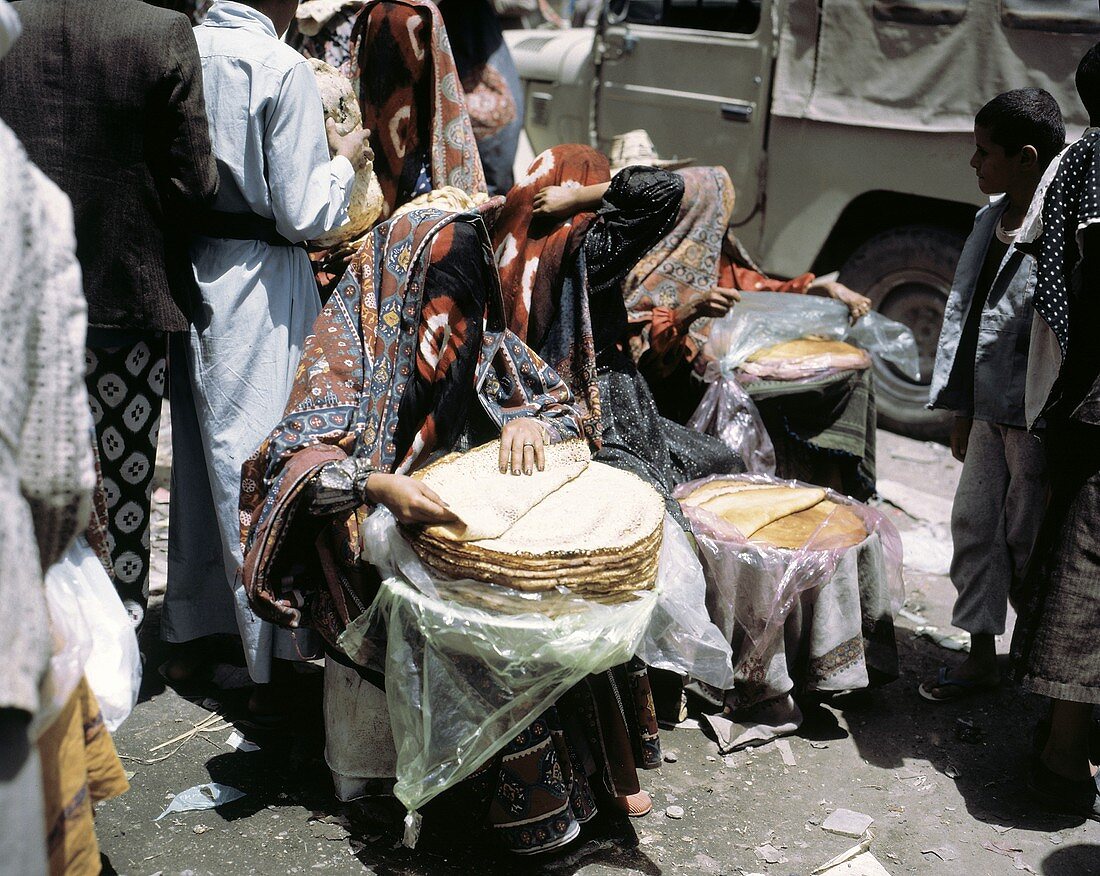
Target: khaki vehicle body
<point>846,125</point>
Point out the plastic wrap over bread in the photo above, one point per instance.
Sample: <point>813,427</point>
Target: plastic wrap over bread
<point>468,664</point>
<point>765,541</point>
<point>762,321</point>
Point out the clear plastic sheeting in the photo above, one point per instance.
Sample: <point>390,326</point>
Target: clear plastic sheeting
<point>754,586</point>
<point>727,411</point>
<point>92,636</point>
<point>681,637</point>
<point>764,319</point>
<point>468,664</point>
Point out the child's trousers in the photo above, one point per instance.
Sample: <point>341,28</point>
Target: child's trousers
<point>994,522</point>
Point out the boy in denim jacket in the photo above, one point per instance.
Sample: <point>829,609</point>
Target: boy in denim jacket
<point>980,374</point>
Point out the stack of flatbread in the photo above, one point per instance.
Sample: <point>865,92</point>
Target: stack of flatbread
<point>779,515</point>
<point>805,357</point>
<point>581,525</point>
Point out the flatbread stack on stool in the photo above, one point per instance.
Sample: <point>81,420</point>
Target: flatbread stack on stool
<point>779,515</point>
<point>805,357</point>
<point>580,525</point>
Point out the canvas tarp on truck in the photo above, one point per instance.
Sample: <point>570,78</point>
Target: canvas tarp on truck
<point>913,64</point>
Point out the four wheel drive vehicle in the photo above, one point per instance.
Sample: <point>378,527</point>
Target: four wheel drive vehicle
<point>846,126</point>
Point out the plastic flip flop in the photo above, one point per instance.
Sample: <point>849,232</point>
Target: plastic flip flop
<point>958,688</point>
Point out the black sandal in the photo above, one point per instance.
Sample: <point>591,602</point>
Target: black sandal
<point>1059,794</point>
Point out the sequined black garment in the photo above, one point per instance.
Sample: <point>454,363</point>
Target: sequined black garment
<point>640,207</point>
<point>638,439</point>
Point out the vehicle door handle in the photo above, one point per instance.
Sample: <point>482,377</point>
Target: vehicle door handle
<point>737,112</point>
<point>623,46</point>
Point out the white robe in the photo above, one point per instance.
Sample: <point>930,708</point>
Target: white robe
<point>232,377</point>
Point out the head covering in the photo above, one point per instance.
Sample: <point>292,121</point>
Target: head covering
<point>412,101</point>
<point>10,27</point>
<point>690,260</point>
<point>530,252</point>
<point>636,147</point>
<point>686,262</point>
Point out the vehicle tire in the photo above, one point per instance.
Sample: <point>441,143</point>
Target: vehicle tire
<point>907,274</point>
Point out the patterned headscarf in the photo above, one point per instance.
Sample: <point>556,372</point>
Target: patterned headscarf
<point>686,262</point>
<point>690,261</point>
<point>412,100</point>
<point>530,254</point>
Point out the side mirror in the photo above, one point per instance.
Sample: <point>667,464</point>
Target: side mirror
<point>615,11</point>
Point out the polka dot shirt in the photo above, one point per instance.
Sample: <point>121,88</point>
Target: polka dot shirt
<point>1072,202</point>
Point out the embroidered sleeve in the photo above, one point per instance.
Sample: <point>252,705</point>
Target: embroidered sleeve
<point>338,487</point>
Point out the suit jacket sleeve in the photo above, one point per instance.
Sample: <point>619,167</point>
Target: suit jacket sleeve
<point>182,159</point>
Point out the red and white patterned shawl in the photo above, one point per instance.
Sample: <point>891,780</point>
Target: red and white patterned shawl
<point>530,255</point>
<point>401,59</point>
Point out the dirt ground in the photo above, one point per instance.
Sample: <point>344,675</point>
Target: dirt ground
<point>943,783</point>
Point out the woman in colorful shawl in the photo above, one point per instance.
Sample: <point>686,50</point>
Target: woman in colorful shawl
<point>404,72</point>
<point>693,275</point>
<point>567,237</point>
<point>823,430</point>
<point>410,359</point>
<point>491,82</point>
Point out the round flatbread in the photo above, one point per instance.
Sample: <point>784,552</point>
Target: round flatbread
<point>825,526</point>
<point>582,525</point>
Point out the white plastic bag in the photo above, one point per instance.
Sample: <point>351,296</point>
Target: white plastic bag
<point>93,634</point>
<point>70,639</point>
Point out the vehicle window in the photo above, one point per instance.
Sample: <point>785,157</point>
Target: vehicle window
<point>921,11</point>
<point>732,16</point>
<point>1060,16</point>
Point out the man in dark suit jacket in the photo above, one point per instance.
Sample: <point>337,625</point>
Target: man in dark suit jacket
<point>107,99</point>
